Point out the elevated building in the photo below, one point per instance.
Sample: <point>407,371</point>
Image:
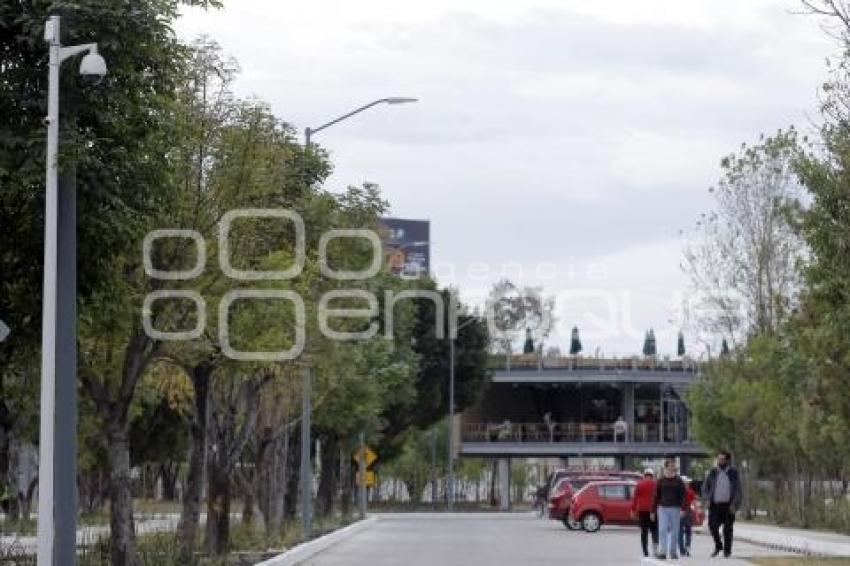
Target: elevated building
<point>582,409</point>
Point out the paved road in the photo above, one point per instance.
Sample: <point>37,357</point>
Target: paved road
<point>507,539</point>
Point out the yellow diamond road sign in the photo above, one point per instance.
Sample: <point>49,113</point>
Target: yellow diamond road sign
<point>369,454</point>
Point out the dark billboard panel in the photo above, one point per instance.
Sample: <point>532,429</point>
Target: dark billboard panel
<point>408,245</point>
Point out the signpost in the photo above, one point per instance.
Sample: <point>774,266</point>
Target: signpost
<point>365,457</point>
<point>367,453</point>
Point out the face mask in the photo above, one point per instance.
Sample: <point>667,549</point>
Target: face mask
<point>723,465</point>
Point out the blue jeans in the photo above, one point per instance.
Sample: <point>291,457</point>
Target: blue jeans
<point>668,530</point>
<point>685,533</point>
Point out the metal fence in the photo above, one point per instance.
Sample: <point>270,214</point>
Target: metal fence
<point>573,432</point>
<point>633,363</point>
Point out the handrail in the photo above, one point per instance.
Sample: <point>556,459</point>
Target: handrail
<point>572,432</point>
<point>536,362</point>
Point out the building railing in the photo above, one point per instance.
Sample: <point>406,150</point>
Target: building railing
<point>573,432</point>
<point>537,362</point>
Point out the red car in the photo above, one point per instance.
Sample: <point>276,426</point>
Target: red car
<point>562,495</point>
<point>569,484</point>
<point>610,503</point>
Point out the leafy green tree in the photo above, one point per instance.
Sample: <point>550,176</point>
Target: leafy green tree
<point>649,347</point>
<point>116,140</point>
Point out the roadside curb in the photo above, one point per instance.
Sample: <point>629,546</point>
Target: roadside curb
<point>302,552</point>
<point>788,542</point>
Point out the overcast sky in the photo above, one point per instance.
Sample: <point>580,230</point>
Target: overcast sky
<point>562,143</point>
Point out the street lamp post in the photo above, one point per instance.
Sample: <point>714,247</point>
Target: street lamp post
<point>306,479</point>
<point>452,337</point>
<point>57,461</point>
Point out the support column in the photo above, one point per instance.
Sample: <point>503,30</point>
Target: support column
<point>685,466</point>
<point>629,410</point>
<point>661,427</point>
<point>504,484</point>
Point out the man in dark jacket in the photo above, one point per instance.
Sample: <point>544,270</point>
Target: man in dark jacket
<point>721,491</point>
<point>670,492</point>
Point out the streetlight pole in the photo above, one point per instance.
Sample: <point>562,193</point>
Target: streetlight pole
<point>361,466</point>
<point>451,478</point>
<point>57,461</point>
<point>306,471</point>
<point>453,330</point>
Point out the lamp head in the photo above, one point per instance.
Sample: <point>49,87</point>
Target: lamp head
<point>93,66</point>
<point>400,100</point>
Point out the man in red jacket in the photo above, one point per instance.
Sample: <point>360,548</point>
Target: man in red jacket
<point>642,509</point>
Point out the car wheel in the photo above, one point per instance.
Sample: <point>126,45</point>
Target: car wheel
<point>591,522</point>
<point>572,524</point>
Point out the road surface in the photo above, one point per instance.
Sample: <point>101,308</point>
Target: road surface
<point>491,539</point>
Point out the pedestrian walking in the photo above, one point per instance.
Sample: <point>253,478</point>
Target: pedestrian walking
<point>686,529</point>
<point>642,508</point>
<point>722,493</point>
<point>670,494</point>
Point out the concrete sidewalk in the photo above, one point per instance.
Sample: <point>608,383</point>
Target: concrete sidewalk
<point>799,541</point>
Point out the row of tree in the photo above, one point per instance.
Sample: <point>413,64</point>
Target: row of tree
<point>771,262</point>
<point>163,143</point>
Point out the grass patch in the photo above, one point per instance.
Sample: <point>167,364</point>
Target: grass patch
<point>19,528</point>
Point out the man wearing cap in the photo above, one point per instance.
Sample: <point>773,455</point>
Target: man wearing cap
<point>642,508</point>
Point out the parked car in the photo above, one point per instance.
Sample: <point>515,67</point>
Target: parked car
<point>610,503</point>
<point>562,495</point>
<point>558,475</point>
<point>567,482</point>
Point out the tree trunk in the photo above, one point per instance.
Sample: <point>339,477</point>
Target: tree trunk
<point>190,515</point>
<point>345,481</point>
<point>290,500</point>
<point>248,502</point>
<point>329,479</point>
<point>168,472</point>
<point>227,441</point>
<point>218,509</point>
<point>271,481</point>
<point>122,534</point>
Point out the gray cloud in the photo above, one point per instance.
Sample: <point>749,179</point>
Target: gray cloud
<point>551,136</point>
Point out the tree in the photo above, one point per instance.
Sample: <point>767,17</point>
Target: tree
<point>649,347</point>
<point>797,363</point>
<point>742,257</point>
<point>528,347</point>
<point>575,342</point>
<point>429,401</point>
<point>510,309</point>
<point>680,345</point>
<point>116,143</point>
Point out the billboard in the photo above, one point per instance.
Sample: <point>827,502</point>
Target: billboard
<point>408,245</point>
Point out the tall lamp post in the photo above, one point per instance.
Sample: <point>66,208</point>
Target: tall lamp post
<point>306,479</point>
<point>452,337</point>
<point>57,507</point>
